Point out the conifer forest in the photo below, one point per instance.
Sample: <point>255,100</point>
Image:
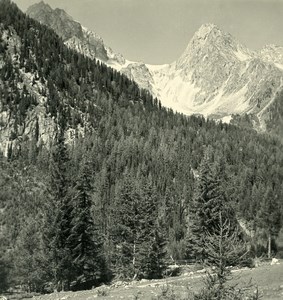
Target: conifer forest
<point>109,184</point>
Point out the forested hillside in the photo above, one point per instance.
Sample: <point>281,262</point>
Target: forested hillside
<point>97,179</point>
<point>275,123</point>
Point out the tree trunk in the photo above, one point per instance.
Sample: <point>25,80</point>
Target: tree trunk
<point>134,262</point>
<point>134,255</point>
<point>269,246</point>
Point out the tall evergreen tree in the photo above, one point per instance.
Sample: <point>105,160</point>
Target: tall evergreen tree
<point>85,239</point>
<point>209,199</point>
<point>138,235</point>
<point>30,262</point>
<point>151,236</point>
<point>59,216</point>
<point>269,217</point>
<point>224,248</point>
<point>125,228</point>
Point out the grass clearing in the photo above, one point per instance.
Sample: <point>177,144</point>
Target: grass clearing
<point>269,280</point>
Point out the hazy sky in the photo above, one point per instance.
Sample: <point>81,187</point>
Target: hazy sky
<point>158,31</point>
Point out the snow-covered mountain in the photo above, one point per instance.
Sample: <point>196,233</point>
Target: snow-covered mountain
<point>216,76</point>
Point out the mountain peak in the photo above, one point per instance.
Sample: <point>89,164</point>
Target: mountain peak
<point>43,9</point>
<point>206,29</point>
<point>39,7</point>
<point>71,31</point>
<point>209,32</point>
<point>208,40</point>
<point>57,19</point>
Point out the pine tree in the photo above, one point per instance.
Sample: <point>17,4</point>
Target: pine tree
<point>209,199</point>
<point>224,248</point>
<point>60,219</point>
<point>138,236</point>
<point>85,239</point>
<point>269,217</point>
<point>151,237</point>
<point>125,228</point>
<point>30,262</point>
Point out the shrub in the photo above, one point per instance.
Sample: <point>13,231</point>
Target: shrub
<point>103,291</point>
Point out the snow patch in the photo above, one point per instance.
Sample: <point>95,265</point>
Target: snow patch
<point>118,66</point>
<point>227,119</point>
<point>241,55</point>
<point>174,92</point>
<point>279,66</point>
<point>156,67</point>
<point>180,94</point>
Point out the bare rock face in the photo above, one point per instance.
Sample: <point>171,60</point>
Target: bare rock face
<point>210,59</point>
<point>91,45</point>
<point>141,74</point>
<point>72,32</point>
<point>36,117</point>
<point>216,76</point>
<point>57,19</point>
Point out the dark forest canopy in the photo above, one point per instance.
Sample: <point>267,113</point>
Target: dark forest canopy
<point>124,186</point>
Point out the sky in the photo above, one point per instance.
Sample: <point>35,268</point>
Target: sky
<point>158,31</point>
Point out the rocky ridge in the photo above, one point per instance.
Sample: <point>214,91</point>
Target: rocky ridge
<point>47,126</point>
<point>216,76</point>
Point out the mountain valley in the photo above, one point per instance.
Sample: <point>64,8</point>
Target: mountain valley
<point>113,170</point>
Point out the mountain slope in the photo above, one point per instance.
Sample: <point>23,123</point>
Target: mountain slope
<point>73,33</point>
<point>44,84</point>
<point>135,151</point>
<point>216,76</point>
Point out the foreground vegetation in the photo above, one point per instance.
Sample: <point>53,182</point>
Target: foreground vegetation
<point>268,279</point>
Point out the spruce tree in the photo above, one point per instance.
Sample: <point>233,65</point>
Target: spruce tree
<point>58,216</point>
<point>151,236</point>
<point>138,236</point>
<point>209,199</point>
<point>30,261</point>
<point>85,239</point>
<point>224,248</point>
<point>269,217</point>
<point>125,228</point>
